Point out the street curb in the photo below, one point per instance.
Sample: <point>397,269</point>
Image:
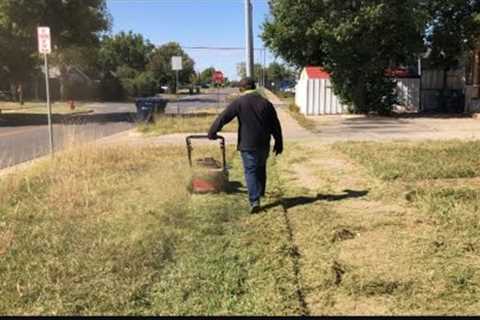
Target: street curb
<point>5,172</point>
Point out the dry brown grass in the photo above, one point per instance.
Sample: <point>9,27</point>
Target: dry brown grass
<point>114,231</point>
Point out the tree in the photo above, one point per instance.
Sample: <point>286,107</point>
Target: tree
<point>124,49</point>
<point>73,23</point>
<point>453,29</point>
<point>277,73</point>
<point>343,37</point>
<point>206,75</point>
<point>160,65</point>
<point>122,61</point>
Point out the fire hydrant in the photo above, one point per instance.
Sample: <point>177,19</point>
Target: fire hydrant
<point>72,105</point>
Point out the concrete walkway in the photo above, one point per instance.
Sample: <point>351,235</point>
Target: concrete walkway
<point>420,127</point>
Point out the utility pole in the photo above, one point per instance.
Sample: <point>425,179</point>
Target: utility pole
<point>264,67</point>
<point>249,64</point>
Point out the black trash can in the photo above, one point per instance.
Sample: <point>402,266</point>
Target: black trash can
<point>145,110</point>
<point>159,104</point>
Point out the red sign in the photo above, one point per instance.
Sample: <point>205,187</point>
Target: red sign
<point>218,77</point>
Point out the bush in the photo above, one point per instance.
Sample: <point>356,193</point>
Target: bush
<point>145,84</point>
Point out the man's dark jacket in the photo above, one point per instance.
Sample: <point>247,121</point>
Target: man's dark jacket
<point>257,121</point>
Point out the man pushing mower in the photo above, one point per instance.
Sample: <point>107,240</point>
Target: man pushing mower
<point>258,121</point>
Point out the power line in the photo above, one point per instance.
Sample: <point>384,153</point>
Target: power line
<point>221,48</point>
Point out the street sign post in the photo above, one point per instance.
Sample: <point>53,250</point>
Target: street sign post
<point>177,66</point>
<point>45,48</point>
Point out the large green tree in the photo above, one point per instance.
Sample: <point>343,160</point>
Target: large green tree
<point>453,30</point>
<point>122,62</point>
<point>160,64</point>
<point>356,40</point>
<point>74,24</point>
<point>124,49</point>
<point>453,27</point>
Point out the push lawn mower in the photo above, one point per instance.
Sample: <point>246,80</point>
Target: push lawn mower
<point>208,175</point>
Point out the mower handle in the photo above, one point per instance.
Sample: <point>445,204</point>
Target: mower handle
<point>189,139</point>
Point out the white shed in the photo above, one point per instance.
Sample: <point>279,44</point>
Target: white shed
<point>314,93</point>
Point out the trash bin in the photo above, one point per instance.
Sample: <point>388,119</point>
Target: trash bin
<point>148,106</point>
<point>145,110</point>
<point>159,104</point>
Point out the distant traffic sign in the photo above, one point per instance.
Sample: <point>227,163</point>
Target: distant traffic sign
<point>218,77</point>
<point>44,40</point>
<point>176,63</point>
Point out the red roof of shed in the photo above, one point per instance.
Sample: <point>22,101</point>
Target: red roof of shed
<point>317,73</point>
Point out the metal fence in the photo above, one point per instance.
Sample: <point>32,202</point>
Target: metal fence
<point>316,97</point>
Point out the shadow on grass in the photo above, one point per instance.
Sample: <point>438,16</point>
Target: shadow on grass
<point>235,187</point>
<point>288,203</point>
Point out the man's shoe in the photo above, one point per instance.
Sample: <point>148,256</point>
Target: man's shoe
<point>255,207</point>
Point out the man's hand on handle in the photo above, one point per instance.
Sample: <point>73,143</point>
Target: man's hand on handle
<point>212,136</point>
<point>277,149</point>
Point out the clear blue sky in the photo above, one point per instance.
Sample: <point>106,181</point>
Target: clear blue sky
<point>217,23</point>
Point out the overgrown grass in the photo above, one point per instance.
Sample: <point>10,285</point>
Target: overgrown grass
<point>416,161</point>
<point>41,108</point>
<point>114,231</point>
<point>188,123</point>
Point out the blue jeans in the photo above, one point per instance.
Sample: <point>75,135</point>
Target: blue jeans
<point>255,168</point>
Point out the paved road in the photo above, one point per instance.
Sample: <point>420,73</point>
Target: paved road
<point>25,137</point>
<point>214,99</point>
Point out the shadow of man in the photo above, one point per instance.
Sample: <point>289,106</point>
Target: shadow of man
<point>288,203</point>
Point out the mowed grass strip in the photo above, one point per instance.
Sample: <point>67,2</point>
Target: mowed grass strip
<point>417,161</point>
<point>439,181</point>
<point>114,231</point>
<point>188,123</point>
<point>369,245</point>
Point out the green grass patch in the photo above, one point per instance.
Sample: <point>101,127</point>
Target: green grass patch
<point>417,161</point>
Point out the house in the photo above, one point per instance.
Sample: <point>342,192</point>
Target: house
<point>314,93</point>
